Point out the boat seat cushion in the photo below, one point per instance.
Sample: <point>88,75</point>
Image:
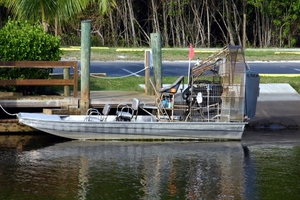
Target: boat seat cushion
<point>127,112</point>
<point>124,115</point>
<point>106,109</point>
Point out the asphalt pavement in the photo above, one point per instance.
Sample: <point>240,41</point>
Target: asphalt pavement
<point>178,68</point>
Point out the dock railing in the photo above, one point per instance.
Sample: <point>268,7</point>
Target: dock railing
<point>67,81</point>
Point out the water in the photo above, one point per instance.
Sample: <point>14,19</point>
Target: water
<point>264,165</point>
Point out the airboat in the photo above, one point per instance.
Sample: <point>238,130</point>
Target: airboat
<point>217,103</point>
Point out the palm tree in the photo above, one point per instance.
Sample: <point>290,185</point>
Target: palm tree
<point>105,5</point>
<point>46,10</point>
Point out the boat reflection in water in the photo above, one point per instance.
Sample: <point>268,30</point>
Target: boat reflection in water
<point>136,170</point>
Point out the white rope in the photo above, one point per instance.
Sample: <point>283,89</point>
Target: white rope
<point>7,112</point>
<point>132,74</point>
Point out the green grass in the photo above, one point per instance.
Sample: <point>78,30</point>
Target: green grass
<point>125,84</point>
<point>110,83</point>
<point>293,81</point>
<point>175,54</point>
<point>132,83</point>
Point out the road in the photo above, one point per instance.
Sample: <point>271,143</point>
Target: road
<point>136,68</point>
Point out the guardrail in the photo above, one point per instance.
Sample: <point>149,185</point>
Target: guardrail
<point>66,81</point>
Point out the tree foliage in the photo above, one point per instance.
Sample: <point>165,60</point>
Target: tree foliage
<point>45,10</point>
<point>205,23</point>
<point>21,41</point>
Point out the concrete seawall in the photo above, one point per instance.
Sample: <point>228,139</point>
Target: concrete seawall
<point>278,107</point>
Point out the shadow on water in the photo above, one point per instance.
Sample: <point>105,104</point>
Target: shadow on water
<point>29,141</point>
<point>272,160</point>
<point>256,137</point>
<point>52,168</point>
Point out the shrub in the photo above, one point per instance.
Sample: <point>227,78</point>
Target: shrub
<point>21,41</point>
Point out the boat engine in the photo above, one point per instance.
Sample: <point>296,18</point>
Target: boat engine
<point>217,87</point>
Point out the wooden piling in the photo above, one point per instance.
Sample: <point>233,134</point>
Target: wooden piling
<point>157,58</point>
<point>148,88</point>
<point>85,65</point>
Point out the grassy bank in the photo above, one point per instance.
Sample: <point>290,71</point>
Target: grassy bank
<point>132,83</point>
<point>293,81</point>
<point>173,54</point>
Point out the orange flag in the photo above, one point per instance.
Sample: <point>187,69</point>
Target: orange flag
<point>192,53</point>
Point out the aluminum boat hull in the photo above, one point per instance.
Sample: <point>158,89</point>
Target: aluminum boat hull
<point>145,127</point>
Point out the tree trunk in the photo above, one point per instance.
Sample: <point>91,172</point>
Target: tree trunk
<point>236,21</point>
<point>244,23</point>
<point>165,23</point>
<point>181,24</point>
<point>217,21</point>
<point>258,26</point>
<point>229,26</point>
<point>208,24</point>
<point>56,26</point>
<point>172,27</point>
<point>155,17</point>
<point>112,29</point>
<point>131,17</point>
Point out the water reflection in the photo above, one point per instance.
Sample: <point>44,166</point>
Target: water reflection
<point>251,169</point>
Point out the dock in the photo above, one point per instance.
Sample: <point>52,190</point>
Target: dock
<point>98,100</point>
<point>58,104</point>
<point>278,107</point>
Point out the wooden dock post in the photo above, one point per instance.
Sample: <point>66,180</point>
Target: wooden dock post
<point>148,89</point>
<point>85,65</point>
<point>157,58</point>
<point>67,77</point>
